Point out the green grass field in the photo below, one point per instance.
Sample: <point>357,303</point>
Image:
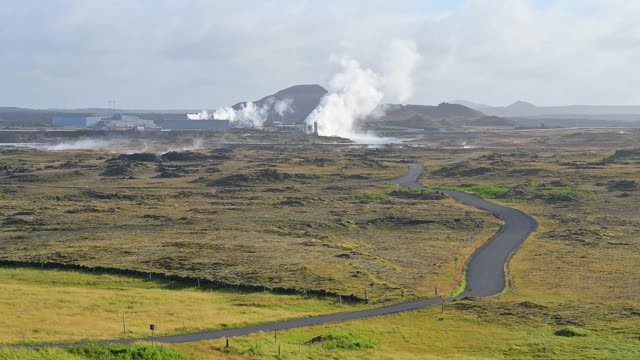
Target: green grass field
<point>500,328</point>
<point>52,306</point>
<point>240,216</point>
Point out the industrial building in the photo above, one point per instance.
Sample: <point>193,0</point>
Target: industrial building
<point>197,125</point>
<point>119,121</point>
<point>123,117</point>
<point>113,122</point>
<point>312,128</point>
<point>76,120</point>
<point>291,129</point>
<point>129,124</point>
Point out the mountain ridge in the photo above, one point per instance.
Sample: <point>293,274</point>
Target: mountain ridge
<point>522,108</point>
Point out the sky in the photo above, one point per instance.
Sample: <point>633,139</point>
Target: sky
<point>191,54</point>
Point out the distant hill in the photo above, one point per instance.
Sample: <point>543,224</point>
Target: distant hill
<point>426,116</point>
<point>470,104</point>
<point>20,117</point>
<point>13,109</point>
<point>445,111</point>
<point>549,122</point>
<point>302,100</point>
<point>522,107</point>
<point>492,121</point>
<point>592,112</point>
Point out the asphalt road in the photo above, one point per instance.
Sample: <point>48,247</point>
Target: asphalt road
<point>485,273</point>
<point>485,269</point>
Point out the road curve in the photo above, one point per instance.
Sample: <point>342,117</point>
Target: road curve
<point>485,268</point>
<point>485,273</point>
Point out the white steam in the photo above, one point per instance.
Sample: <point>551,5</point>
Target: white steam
<point>249,114</point>
<point>400,69</point>
<point>202,115</point>
<point>283,107</point>
<point>115,145</point>
<point>356,94</point>
<point>84,144</point>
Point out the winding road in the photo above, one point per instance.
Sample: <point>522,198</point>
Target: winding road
<point>485,273</point>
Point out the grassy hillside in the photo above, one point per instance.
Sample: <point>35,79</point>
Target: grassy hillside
<point>234,215</point>
<point>64,306</point>
<point>571,293</point>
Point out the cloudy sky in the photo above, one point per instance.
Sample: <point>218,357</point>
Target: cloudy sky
<point>202,54</point>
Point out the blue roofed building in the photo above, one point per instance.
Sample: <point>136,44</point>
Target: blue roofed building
<point>197,125</point>
<point>76,120</point>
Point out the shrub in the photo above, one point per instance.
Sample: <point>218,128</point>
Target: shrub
<point>482,190</point>
<point>418,194</point>
<point>348,341</point>
<point>40,354</point>
<point>570,331</point>
<point>143,157</point>
<point>126,352</point>
<point>367,196</point>
<point>183,156</point>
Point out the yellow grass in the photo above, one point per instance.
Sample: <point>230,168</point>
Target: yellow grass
<point>462,333</point>
<point>54,306</point>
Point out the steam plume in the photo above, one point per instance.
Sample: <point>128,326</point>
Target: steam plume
<point>400,69</point>
<point>249,114</point>
<point>356,94</point>
<point>283,107</point>
<point>202,115</point>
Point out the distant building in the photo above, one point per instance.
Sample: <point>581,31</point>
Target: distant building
<point>202,125</point>
<point>120,121</point>
<point>122,117</point>
<point>129,123</point>
<point>113,122</point>
<point>76,120</point>
<point>290,129</point>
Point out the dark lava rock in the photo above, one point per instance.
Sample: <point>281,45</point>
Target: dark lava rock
<point>142,157</point>
<point>183,156</point>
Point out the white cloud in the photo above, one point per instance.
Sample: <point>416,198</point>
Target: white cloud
<point>206,54</point>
